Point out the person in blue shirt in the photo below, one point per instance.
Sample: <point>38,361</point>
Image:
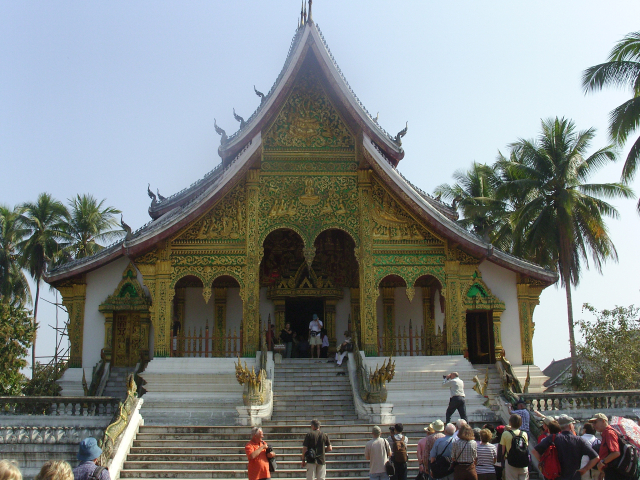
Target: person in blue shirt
<point>442,446</point>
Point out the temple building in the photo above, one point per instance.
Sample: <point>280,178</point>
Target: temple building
<point>306,213</point>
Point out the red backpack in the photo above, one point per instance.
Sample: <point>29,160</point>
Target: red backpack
<point>549,464</point>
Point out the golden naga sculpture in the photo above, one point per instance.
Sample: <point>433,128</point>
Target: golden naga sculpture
<point>383,374</point>
<point>253,393</point>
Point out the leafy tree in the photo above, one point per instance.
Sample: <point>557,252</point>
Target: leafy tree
<point>16,336</point>
<point>44,380</point>
<point>89,226</point>
<point>44,223</point>
<point>621,70</point>
<point>474,195</point>
<point>610,351</point>
<point>14,287</point>
<point>561,222</point>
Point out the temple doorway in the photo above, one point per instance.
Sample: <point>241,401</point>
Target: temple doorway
<point>480,341</point>
<point>126,339</point>
<point>299,312</point>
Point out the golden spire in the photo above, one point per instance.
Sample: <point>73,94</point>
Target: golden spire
<point>302,13</point>
<point>310,18</point>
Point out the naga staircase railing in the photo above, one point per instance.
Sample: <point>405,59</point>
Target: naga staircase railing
<point>372,386</point>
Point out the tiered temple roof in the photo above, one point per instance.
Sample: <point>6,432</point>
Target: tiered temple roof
<point>241,150</point>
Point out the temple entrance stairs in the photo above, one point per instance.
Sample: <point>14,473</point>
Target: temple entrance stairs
<point>417,393</point>
<point>116,385</point>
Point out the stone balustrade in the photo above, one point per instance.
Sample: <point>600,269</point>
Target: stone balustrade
<point>581,405</point>
<point>59,406</point>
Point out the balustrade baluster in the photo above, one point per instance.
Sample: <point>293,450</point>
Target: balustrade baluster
<point>206,339</point>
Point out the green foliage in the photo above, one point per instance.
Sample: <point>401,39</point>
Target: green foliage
<point>621,70</point>
<point>89,225</point>
<point>14,287</point>
<point>16,336</point>
<point>43,381</point>
<point>610,351</point>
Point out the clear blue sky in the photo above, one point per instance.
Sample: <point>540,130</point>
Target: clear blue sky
<point>104,97</point>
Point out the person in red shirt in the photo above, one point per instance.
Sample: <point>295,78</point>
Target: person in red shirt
<point>256,453</point>
<point>609,449</point>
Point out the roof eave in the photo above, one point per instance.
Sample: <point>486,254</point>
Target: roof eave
<point>449,229</point>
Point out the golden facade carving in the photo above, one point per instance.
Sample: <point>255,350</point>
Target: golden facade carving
<point>73,298</point>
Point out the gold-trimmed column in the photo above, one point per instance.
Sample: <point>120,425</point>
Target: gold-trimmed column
<point>251,300</point>
<point>454,310</point>
<point>428,320</point>
<point>108,336</point>
<point>73,298</point>
<point>145,325</point>
<point>368,288</point>
<point>497,333</point>
<point>220,321</point>
<point>528,299</point>
<point>389,320</point>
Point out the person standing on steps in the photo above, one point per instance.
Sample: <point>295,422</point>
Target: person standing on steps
<point>315,444</point>
<point>456,400</point>
<point>286,337</point>
<point>88,454</point>
<point>257,455</point>
<point>377,452</point>
<point>399,454</point>
<point>315,339</point>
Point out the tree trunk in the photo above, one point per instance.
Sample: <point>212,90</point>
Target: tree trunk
<point>572,337</point>
<point>35,331</point>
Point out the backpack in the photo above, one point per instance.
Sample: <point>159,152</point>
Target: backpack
<point>399,451</point>
<point>95,475</point>
<point>628,464</point>
<point>441,467</point>
<point>518,455</point>
<point>310,455</point>
<point>549,464</point>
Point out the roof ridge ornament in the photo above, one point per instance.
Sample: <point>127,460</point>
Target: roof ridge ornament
<point>152,195</point>
<point>310,18</point>
<point>160,197</point>
<point>126,228</point>
<point>239,119</point>
<point>401,133</point>
<point>223,135</point>
<point>260,94</point>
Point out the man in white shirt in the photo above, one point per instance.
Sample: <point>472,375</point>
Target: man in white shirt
<point>456,400</point>
<point>315,339</point>
<point>377,452</point>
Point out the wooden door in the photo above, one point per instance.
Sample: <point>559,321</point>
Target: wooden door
<point>126,335</point>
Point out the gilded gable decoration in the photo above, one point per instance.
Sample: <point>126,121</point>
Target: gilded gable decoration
<point>227,220</point>
<point>479,296</point>
<point>128,295</point>
<point>308,120</point>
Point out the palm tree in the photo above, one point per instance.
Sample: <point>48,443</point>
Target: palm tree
<point>561,221</point>
<point>44,223</point>
<point>621,70</point>
<point>473,195</point>
<point>14,287</point>
<point>90,226</point>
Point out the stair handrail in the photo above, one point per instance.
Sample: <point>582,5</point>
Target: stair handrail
<point>118,423</point>
<point>372,386</point>
<point>103,381</point>
<point>511,386</point>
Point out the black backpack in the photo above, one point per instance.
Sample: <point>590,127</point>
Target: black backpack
<point>518,456</point>
<point>95,475</point>
<point>628,464</point>
<point>310,455</point>
<point>442,466</point>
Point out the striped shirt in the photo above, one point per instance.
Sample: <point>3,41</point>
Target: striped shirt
<point>464,451</point>
<point>487,454</point>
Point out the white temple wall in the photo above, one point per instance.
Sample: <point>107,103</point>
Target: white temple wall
<point>405,310</point>
<point>502,283</point>
<point>100,284</point>
<point>234,309</point>
<point>343,310</point>
<point>197,313</point>
<point>266,308</point>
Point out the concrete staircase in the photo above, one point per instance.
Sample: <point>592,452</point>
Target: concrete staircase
<point>417,393</point>
<point>218,452</point>
<point>305,389</point>
<point>117,383</point>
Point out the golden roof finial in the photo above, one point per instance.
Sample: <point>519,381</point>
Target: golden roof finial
<point>302,13</point>
<point>310,18</point>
